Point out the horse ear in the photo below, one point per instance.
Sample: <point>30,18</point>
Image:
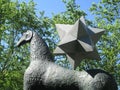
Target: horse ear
<point>29,35</point>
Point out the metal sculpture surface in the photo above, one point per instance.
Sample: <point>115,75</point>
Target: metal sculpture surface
<point>43,74</point>
<point>78,41</point>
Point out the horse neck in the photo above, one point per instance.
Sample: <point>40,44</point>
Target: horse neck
<point>39,49</point>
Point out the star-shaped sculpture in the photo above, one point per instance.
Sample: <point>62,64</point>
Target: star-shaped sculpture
<point>78,41</point>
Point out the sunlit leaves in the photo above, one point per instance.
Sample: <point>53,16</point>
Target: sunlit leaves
<point>71,14</point>
<point>107,17</point>
<point>15,18</point>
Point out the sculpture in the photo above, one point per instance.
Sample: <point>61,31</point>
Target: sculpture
<point>78,41</point>
<point>43,74</point>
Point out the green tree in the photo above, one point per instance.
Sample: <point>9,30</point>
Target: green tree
<point>16,18</point>
<point>107,16</point>
<point>71,15</point>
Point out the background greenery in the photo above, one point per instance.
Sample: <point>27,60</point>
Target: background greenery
<point>16,18</point>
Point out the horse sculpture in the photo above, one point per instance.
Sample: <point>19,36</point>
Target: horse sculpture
<point>43,74</point>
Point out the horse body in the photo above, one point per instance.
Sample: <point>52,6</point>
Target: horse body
<point>43,74</point>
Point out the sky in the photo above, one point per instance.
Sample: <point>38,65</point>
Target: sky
<point>57,6</point>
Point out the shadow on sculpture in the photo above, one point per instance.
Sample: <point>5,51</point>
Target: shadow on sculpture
<point>43,74</point>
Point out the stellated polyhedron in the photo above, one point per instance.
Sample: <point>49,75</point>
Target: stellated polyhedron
<point>78,41</point>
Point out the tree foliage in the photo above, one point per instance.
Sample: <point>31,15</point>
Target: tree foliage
<point>71,15</point>
<point>108,17</point>
<point>16,18</point>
